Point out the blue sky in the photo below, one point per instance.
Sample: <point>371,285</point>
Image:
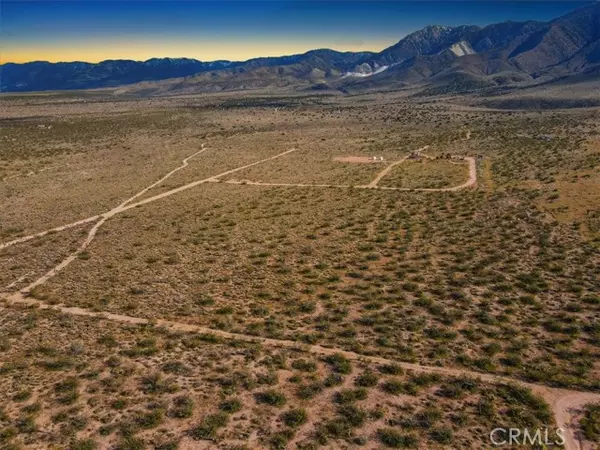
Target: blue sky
<point>236,30</point>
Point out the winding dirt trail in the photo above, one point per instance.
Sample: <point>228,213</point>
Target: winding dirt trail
<point>103,218</point>
<point>69,259</point>
<point>184,164</point>
<point>52,230</point>
<point>126,205</point>
<point>260,183</point>
<point>17,281</point>
<point>564,403</point>
<point>198,182</point>
<point>566,409</point>
<point>472,175</point>
<point>19,298</point>
<point>471,181</point>
<point>387,170</point>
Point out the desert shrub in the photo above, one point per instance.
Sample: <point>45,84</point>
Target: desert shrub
<point>32,408</point>
<point>425,379</point>
<point>175,367</point>
<point>590,423</point>
<point>77,348</point>
<point>183,407</point>
<point>143,347</point>
<point>69,384</point>
<point>525,404</point>
<point>339,363</point>
<point>333,379</point>
<point>269,378</point>
<point>391,369</point>
<point>22,395</point>
<point>307,307</point>
<point>119,404</point>
<point>492,349</point>
<point>457,388</point>
<point>279,440</point>
<point>5,344</point>
<point>204,299</point>
<point>395,439</point>
<point>155,383</point>
<point>346,396</point>
<point>131,443</point>
<point>166,444</point>
<point>26,424</point>
<point>367,379</point>
<point>443,435</point>
<point>304,365</point>
<point>393,386</point>
<point>150,419</point>
<point>231,405</point>
<point>308,391</point>
<point>61,363</point>
<point>486,407</point>
<point>294,417</point>
<point>272,398</point>
<point>209,426</point>
<point>337,428</point>
<point>427,417</point>
<point>353,414</point>
<point>8,433</point>
<point>67,390</point>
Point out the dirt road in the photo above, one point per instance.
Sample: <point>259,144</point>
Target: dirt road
<point>52,230</point>
<point>124,206</point>
<point>564,403</point>
<point>184,164</point>
<point>387,170</point>
<point>566,408</point>
<point>472,180</point>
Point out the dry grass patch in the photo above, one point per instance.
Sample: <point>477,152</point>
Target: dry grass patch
<point>426,174</point>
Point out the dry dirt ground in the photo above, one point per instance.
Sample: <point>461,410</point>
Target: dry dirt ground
<point>225,272</point>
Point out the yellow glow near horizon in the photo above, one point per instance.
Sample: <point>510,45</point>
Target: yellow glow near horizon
<point>142,50</point>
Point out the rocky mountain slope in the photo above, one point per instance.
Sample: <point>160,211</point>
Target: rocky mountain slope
<point>493,55</point>
<point>451,59</point>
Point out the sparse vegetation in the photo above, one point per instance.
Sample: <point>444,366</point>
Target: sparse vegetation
<point>500,279</point>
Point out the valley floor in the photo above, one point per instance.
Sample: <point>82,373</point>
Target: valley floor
<point>208,275</point>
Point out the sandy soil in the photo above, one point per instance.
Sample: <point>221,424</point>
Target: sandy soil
<point>565,403</point>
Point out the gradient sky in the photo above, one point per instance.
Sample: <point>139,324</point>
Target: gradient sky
<point>235,30</point>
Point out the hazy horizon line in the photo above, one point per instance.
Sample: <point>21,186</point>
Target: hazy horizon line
<point>191,58</point>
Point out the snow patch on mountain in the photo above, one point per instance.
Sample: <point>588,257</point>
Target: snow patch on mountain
<point>462,48</point>
<point>365,70</point>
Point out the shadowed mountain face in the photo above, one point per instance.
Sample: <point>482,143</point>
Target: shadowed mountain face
<point>448,58</point>
<point>42,75</point>
<point>496,54</point>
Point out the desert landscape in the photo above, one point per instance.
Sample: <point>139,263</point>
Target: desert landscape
<point>373,271</point>
<point>299,225</point>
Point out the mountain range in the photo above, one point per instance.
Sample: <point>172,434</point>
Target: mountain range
<point>439,58</point>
